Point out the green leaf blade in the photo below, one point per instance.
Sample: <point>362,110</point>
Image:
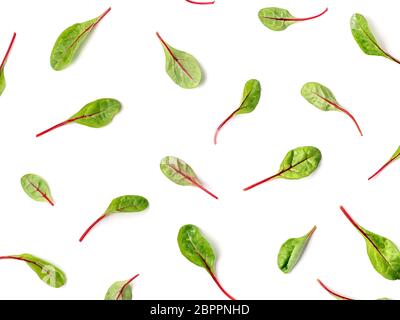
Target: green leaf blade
<point>70,41</point>
<point>195,247</point>
<point>315,93</point>
<point>182,67</point>
<point>300,162</point>
<point>250,97</point>
<point>291,252</point>
<point>2,82</point>
<point>46,271</point>
<point>396,154</point>
<point>98,113</point>
<point>383,254</point>
<point>115,290</point>
<point>364,36</point>
<point>274,18</point>
<point>36,188</point>
<point>178,171</point>
<point>120,290</point>
<point>128,203</point>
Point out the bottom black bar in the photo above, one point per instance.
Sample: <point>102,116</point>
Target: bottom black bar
<point>208,310</point>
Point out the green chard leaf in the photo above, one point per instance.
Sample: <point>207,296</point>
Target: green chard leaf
<point>250,98</point>
<point>70,41</point>
<point>3,64</point>
<point>36,188</point>
<point>278,19</point>
<point>383,253</point>
<point>292,250</point>
<point>120,290</point>
<point>46,271</point>
<point>322,98</point>
<point>394,157</point>
<point>181,67</point>
<point>123,204</point>
<point>297,164</point>
<point>179,172</point>
<point>366,39</point>
<point>198,250</point>
<point>95,114</point>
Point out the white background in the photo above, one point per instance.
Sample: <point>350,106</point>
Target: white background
<point>86,168</point>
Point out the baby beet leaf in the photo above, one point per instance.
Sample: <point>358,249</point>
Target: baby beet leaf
<point>298,163</point>
<point>393,158</point>
<point>46,271</point>
<point>120,205</point>
<point>181,67</point>
<point>334,294</point>
<point>250,98</point>
<point>197,250</point>
<point>292,250</point>
<point>383,253</point>
<point>366,39</point>
<point>70,41</point>
<point>96,114</point>
<point>278,19</point>
<point>181,173</point>
<point>323,98</point>
<point>3,64</point>
<point>36,188</point>
<point>120,290</point>
<point>198,2</point>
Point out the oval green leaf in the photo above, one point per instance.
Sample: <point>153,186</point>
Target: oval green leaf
<point>319,96</point>
<point>300,163</point>
<point>291,252</point>
<point>70,41</point>
<point>98,113</point>
<point>123,204</point>
<point>129,203</point>
<point>181,67</point>
<point>179,172</point>
<point>46,271</point>
<point>278,19</point>
<point>36,188</point>
<point>297,164</point>
<point>323,98</point>
<point>382,252</point>
<point>366,39</point>
<point>120,290</point>
<point>196,248</point>
<point>250,98</point>
<point>95,114</point>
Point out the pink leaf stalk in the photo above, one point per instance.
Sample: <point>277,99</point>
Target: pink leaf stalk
<point>3,63</point>
<point>336,295</point>
<point>200,3</point>
<point>91,227</point>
